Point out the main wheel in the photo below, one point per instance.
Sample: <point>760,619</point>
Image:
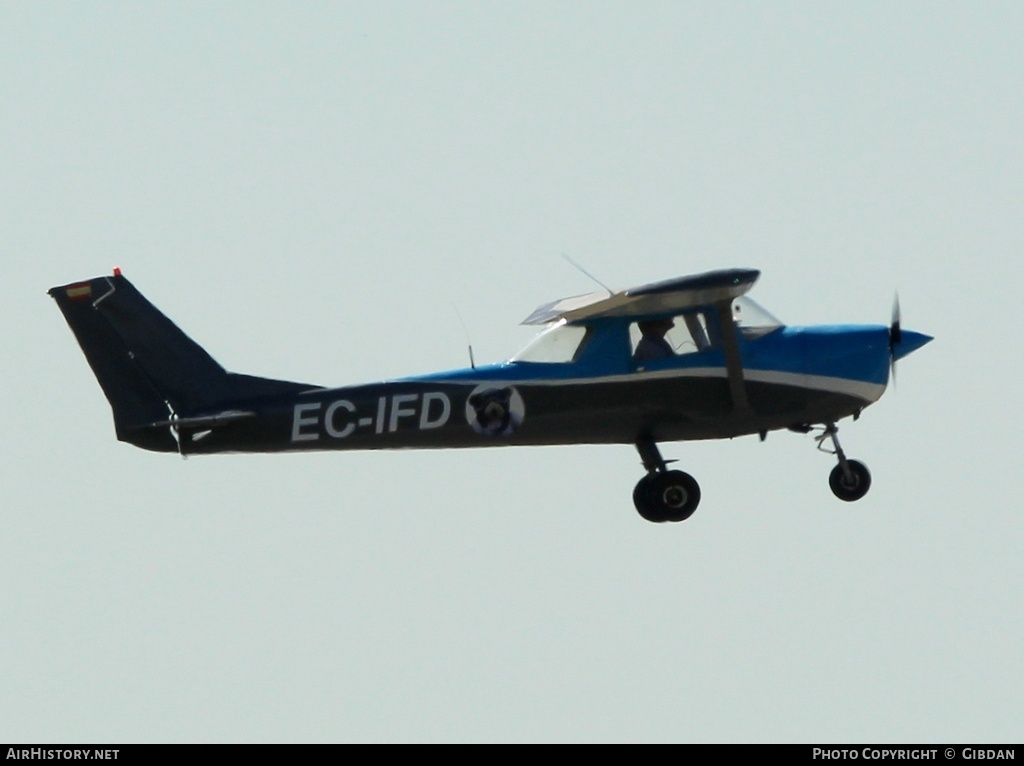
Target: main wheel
<point>853,487</point>
<point>676,493</point>
<point>642,501</point>
<point>667,496</point>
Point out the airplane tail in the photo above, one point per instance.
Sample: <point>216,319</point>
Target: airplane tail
<point>152,373</point>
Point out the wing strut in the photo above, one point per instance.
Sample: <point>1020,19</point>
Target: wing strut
<point>733,362</point>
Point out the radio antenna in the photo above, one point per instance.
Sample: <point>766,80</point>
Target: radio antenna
<point>588,274</point>
<point>469,343</point>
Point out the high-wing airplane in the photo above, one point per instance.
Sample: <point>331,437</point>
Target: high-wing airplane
<point>684,359</point>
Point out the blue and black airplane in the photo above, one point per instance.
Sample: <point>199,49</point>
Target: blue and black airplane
<point>684,359</point>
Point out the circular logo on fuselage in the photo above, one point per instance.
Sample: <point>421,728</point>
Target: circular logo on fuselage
<point>495,410</point>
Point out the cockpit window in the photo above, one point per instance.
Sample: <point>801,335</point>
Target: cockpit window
<point>559,343</point>
<point>694,331</point>
<point>669,336</point>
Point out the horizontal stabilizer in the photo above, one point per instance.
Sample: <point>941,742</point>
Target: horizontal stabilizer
<point>205,421</point>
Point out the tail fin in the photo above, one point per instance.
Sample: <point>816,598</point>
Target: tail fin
<point>147,367</point>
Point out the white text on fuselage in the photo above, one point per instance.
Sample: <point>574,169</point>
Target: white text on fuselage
<point>342,418</point>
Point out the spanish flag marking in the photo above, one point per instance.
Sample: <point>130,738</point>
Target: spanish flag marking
<point>79,292</point>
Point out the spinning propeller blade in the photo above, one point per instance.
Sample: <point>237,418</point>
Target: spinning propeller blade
<point>902,342</point>
<point>895,336</point>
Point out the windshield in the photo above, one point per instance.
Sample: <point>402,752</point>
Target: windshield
<point>753,319</point>
<point>559,343</point>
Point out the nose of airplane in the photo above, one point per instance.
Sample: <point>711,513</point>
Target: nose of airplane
<point>909,342</point>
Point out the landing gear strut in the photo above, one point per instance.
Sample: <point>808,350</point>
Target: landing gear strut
<point>850,480</point>
<point>663,495</point>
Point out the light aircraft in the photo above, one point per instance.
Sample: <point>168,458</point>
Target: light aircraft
<point>683,359</point>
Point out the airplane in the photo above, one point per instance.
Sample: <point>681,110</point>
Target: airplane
<point>683,359</point>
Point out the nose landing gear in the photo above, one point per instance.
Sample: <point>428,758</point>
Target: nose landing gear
<point>663,495</point>
<point>850,480</point>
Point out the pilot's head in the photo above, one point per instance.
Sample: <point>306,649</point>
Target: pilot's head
<point>656,327</point>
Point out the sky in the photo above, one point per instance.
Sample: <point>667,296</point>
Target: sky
<point>319,191</point>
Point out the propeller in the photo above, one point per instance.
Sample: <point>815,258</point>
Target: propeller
<point>895,336</point>
<point>902,342</point>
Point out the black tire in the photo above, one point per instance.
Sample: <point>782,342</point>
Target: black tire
<point>667,496</point>
<point>850,489</point>
<point>642,500</point>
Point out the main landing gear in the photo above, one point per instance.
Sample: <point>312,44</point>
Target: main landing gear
<point>663,495</point>
<point>850,480</point>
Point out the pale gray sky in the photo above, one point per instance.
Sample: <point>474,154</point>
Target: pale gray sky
<point>307,189</point>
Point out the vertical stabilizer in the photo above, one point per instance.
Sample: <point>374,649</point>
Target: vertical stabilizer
<point>147,367</point>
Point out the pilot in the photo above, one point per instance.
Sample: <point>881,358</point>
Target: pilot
<point>653,344</point>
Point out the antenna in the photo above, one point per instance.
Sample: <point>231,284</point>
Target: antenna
<point>588,274</point>
<point>469,343</point>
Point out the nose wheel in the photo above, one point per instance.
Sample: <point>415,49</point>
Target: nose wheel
<point>850,480</point>
<point>663,495</point>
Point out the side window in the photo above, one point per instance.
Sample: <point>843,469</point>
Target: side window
<point>665,337</point>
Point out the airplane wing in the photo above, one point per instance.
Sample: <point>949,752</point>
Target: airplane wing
<point>549,312</point>
<point>667,297</point>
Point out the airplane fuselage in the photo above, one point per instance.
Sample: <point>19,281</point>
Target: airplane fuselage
<point>792,377</point>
